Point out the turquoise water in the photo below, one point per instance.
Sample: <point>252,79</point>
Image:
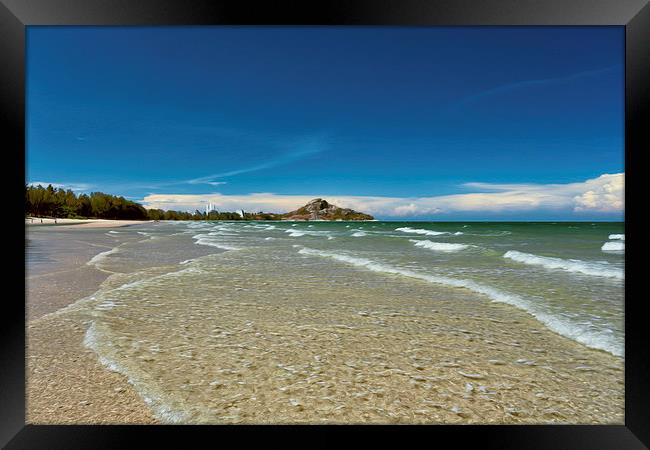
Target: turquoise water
<point>558,272</point>
<point>312,321</point>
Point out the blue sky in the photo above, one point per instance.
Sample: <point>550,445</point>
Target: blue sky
<point>178,116</point>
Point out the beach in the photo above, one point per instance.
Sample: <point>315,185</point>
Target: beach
<point>213,322</point>
<point>84,223</point>
<point>66,383</point>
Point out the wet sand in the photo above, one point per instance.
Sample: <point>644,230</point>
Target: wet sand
<point>364,348</point>
<point>84,223</point>
<point>65,382</point>
<point>346,347</point>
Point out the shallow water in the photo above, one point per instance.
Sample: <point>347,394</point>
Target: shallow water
<point>245,321</point>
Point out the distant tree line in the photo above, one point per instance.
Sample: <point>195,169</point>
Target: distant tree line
<point>159,214</point>
<point>57,202</point>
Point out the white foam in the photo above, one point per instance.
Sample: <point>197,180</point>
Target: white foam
<point>95,260</point>
<point>420,231</point>
<point>359,234</point>
<point>296,233</point>
<point>299,233</point>
<point>613,246</point>
<point>620,237</point>
<point>592,338</point>
<point>596,269</point>
<point>211,243</point>
<point>221,233</point>
<point>439,246</point>
<point>209,240</point>
<point>108,304</point>
<point>268,238</point>
<point>151,396</point>
<point>114,232</point>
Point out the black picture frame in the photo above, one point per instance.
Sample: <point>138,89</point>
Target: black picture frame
<point>634,15</point>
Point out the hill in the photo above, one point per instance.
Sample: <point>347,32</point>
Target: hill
<point>319,209</point>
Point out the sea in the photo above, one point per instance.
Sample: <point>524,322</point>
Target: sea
<point>170,283</point>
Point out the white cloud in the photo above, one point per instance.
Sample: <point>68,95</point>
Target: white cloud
<point>606,194</point>
<point>603,194</point>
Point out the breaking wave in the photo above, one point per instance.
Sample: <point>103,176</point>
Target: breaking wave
<point>209,240</point>
<point>420,231</point>
<point>439,246</point>
<point>578,332</point>
<point>570,265</point>
<point>613,246</point>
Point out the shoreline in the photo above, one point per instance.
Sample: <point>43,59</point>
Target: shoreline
<point>57,359</point>
<point>484,357</point>
<point>82,223</point>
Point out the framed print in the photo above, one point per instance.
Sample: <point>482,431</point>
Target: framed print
<point>347,214</point>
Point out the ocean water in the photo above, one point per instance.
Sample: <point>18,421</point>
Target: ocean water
<point>570,276</point>
<point>172,283</point>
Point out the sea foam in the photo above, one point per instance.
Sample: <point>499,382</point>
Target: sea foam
<point>420,231</point>
<point>215,244</point>
<point>299,233</point>
<point>209,240</point>
<point>613,246</point>
<point>164,411</point>
<point>95,260</point>
<point>580,333</point>
<point>620,237</point>
<point>293,233</point>
<point>439,246</point>
<point>570,265</point>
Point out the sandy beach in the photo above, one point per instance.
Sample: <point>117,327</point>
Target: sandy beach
<point>272,346</point>
<point>85,223</point>
<point>66,383</point>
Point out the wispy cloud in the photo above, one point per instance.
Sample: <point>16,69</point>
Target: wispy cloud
<point>603,194</point>
<point>304,149</point>
<point>530,83</point>
<point>76,187</point>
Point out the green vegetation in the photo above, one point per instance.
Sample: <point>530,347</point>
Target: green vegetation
<point>56,202</point>
<point>159,214</point>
